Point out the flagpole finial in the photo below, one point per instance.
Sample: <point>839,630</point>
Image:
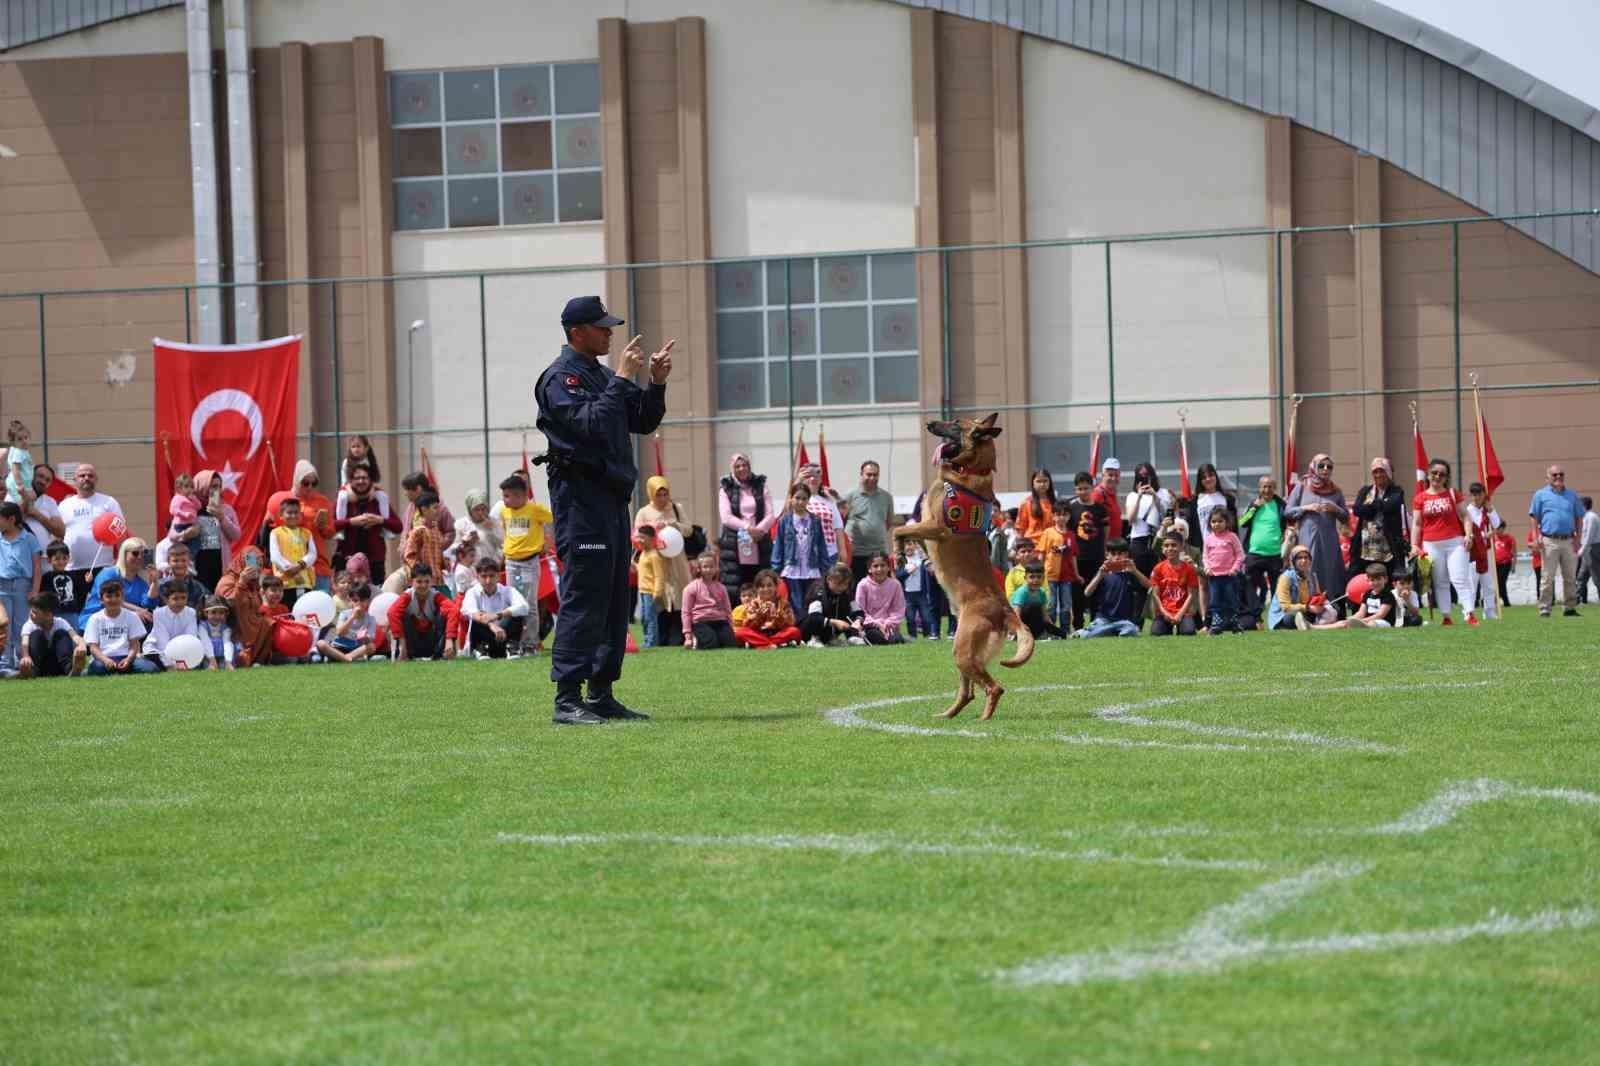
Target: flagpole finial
<point>1297,399</point>
<point>1183,416</point>
<point>1473,377</point>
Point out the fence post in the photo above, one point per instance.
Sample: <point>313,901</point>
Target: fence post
<point>338,375</point>
<point>788,344</point>
<point>944,325</point>
<point>483,360</point>
<point>188,323</point>
<point>44,396</point>
<point>1283,429</point>
<point>1455,268</point>
<point>1111,360</point>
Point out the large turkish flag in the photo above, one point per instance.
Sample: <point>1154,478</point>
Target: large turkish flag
<point>228,408</point>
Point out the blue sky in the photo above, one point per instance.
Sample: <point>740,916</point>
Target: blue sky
<point>1551,39</point>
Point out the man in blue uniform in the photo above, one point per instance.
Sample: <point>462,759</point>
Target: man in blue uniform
<point>587,412</point>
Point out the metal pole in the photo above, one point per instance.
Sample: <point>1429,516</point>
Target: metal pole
<point>188,318</point>
<point>1283,428</point>
<point>1111,357</point>
<point>1455,267</point>
<point>338,385</point>
<point>944,324</point>
<point>638,441</point>
<point>411,394</point>
<point>483,359</point>
<point>788,347</point>
<point>44,396</point>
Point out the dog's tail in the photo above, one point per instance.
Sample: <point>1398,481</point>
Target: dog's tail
<point>1024,640</point>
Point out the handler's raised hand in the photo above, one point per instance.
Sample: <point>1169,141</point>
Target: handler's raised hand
<point>661,363</point>
<point>632,360</point>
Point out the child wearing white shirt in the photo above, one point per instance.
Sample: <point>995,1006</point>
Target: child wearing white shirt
<point>216,636</point>
<point>493,614</point>
<point>174,618</point>
<point>114,635</point>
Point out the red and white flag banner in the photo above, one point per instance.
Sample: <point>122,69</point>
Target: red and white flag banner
<point>229,408</point>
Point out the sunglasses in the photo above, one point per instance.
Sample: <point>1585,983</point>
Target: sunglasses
<point>1555,477</point>
<point>313,483</point>
<point>1324,466</point>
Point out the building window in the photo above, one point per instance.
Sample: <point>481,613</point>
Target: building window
<point>1240,455</point>
<point>497,146</point>
<point>851,329</point>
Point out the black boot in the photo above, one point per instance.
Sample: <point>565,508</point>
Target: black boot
<point>600,701</point>
<point>570,709</point>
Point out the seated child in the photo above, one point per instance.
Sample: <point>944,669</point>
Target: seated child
<point>221,652</point>
<point>342,599</point>
<point>1114,592</point>
<point>882,604</point>
<point>355,631</point>
<point>1176,585</point>
<point>649,566</point>
<point>830,608</point>
<point>1407,607</point>
<point>1300,602</point>
<point>49,646</point>
<point>1032,601</point>
<point>493,615</point>
<point>707,618</point>
<point>768,618</point>
<point>1376,606</point>
<point>114,636</point>
<point>172,619</point>
<point>272,604</point>
<point>747,596</point>
<point>58,582</point>
<point>422,620</point>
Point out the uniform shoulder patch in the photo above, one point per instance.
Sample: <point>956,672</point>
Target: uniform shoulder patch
<point>572,379</point>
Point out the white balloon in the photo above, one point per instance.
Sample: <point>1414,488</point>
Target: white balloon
<point>315,604</point>
<point>380,606</point>
<point>671,541</point>
<point>187,649</point>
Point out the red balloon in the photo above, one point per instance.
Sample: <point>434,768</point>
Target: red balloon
<point>291,639</point>
<point>109,529</point>
<point>1357,589</point>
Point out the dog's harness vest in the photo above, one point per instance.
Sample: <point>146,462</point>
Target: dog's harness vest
<point>965,512</point>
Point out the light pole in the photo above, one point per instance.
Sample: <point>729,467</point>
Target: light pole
<point>411,388</point>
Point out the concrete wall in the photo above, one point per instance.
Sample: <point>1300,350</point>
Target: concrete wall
<point>1191,317</point>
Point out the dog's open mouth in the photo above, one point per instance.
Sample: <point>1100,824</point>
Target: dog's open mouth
<point>946,452</point>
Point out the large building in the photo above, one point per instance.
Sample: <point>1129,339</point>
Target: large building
<point>817,141</point>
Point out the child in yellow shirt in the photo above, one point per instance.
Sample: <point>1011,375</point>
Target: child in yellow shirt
<point>747,596</point>
<point>294,553</point>
<point>649,565</point>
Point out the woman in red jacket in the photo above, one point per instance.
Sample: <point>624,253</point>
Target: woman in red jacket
<point>1441,527</point>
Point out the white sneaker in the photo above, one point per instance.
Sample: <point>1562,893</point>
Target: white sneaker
<point>858,640</point>
<point>480,655</point>
<point>814,642</point>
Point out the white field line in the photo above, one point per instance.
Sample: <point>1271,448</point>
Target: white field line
<point>1457,796</point>
<point>868,845</point>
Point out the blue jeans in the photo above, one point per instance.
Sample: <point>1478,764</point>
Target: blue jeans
<point>1061,604</point>
<point>141,665</point>
<point>650,620</point>
<point>919,614</point>
<point>14,598</point>
<point>1224,595</point>
<point>1109,627</point>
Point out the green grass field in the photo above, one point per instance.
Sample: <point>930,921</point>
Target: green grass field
<point>1295,848</point>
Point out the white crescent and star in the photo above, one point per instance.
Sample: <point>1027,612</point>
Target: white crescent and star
<point>226,400</point>
<point>215,403</point>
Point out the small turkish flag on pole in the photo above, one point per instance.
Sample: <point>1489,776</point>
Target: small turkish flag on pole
<point>1489,471</point>
<point>1184,488</point>
<point>1422,453</point>
<point>226,408</point>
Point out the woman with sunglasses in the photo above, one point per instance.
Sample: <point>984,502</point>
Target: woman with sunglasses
<point>1318,506</point>
<point>316,514</point>
<point>1442,528</point>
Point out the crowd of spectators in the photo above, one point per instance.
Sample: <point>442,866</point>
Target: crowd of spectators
<point>810,567</point>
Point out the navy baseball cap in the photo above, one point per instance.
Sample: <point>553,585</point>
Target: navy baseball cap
<point>587,311</point>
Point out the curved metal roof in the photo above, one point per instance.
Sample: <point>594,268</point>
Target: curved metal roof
<point>25,21</point>
<point>1386,83</point>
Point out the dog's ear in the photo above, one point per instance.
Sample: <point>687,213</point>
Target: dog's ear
<point>947,430</point>
<point>985,428</point>
<point>988,423</point>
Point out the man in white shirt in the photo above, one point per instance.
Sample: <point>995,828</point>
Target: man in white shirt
<point>78,512</point>
<point>1589,551</point>
<point>492,614</point>
<point>43,515</point>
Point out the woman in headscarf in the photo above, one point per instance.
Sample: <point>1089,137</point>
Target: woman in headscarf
<point>241,587</point>
<point>218,523</point>
<point>316,514</point>
<point>659,513</point>
<point>478,530</point>
<point>1318,505</point>
<point>745,507</point>
<point>1380,523</point>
